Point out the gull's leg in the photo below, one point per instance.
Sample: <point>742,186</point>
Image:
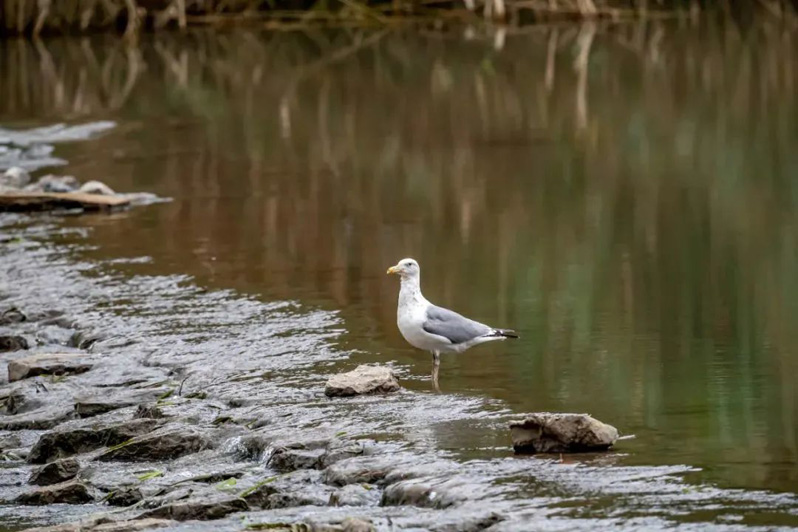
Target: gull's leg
<point>436,364</point>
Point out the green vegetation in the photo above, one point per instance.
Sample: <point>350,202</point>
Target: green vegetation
<point>150,475</point>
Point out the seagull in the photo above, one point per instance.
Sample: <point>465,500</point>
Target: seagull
<point>432,328</point>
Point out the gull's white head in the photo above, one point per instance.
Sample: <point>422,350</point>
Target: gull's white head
<point>406,269</point>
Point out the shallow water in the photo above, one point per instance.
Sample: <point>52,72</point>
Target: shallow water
<point>620,195</point>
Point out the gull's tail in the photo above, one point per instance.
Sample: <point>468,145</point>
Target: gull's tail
<point>504,333</point>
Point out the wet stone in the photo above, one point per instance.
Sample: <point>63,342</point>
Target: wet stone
<point>284,459</point>
<point>61,444</point>
<point>300,488</point>
<point>413,493</point>
<point>561,433</point>
<point>71,492</point>
<point>85,339</point>
<point>362,380</point>
<point>368,470</point>
<point>124,497</point>
<point>167,444</point>
<point>148,412</point>
<point>202,511</point>
<point>109,400</point>
<point>12,315</point>
<point>55,472</point>
<point>12,343</point>
<point>355,495</point>
<point>338,451</point>
<point>48,364</point>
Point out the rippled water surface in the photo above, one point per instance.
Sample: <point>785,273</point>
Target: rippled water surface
<point>624,196</point>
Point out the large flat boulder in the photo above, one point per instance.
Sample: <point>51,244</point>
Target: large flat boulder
<point>362,380</point>
<point>65,443</point>
<point>166,444</point>
<point>48,364</point>
<point>64,493</point>
<point>561,433</point>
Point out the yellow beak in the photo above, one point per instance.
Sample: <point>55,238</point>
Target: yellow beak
<point>392,269</point>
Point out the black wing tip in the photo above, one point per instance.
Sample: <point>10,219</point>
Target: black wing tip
<point>506,333</point>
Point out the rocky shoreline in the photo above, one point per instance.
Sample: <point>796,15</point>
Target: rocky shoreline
<point>147,402</point>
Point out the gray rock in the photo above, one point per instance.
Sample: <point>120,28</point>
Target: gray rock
<point>561,433</point>
<point>124,497</point>
<point>15,177</point>
<point>71,492</point>
<point>85,339</point>
<point>202,511</point>
<point>12,315</point>
<point>338,451</point>
<point>55,472</point>
<point>285,459</point>
<point>300,488</point>
<point>48,364</point>
<point>167,444</point>
<point>96,187</point>
<point>415,492</point>
<point>148,412</point>
<point>362,380</point>
<point>112,399</point>
<point>60,444</point>
<point>294,499</point>
<point>12,343</point>
<point>368,470</point>
<point>355,495</point>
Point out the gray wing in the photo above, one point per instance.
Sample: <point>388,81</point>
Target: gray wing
<point>451,325</point>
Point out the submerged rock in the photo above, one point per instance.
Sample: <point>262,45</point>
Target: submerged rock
<point>71,492</point>
<point>363,380</point>
<point>561,433</point>
<point>60,444</point>
<point>12,343</point>
<point>168,444</point>
<point>48,364</point>
<point>201,511</point>
<point>55,472</point>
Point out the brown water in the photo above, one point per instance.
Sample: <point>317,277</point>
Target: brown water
<point>623,196</point>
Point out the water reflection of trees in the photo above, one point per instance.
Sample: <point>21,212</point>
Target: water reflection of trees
<point>626,187</point>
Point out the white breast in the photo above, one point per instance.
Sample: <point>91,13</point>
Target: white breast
<point>411,314</point>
